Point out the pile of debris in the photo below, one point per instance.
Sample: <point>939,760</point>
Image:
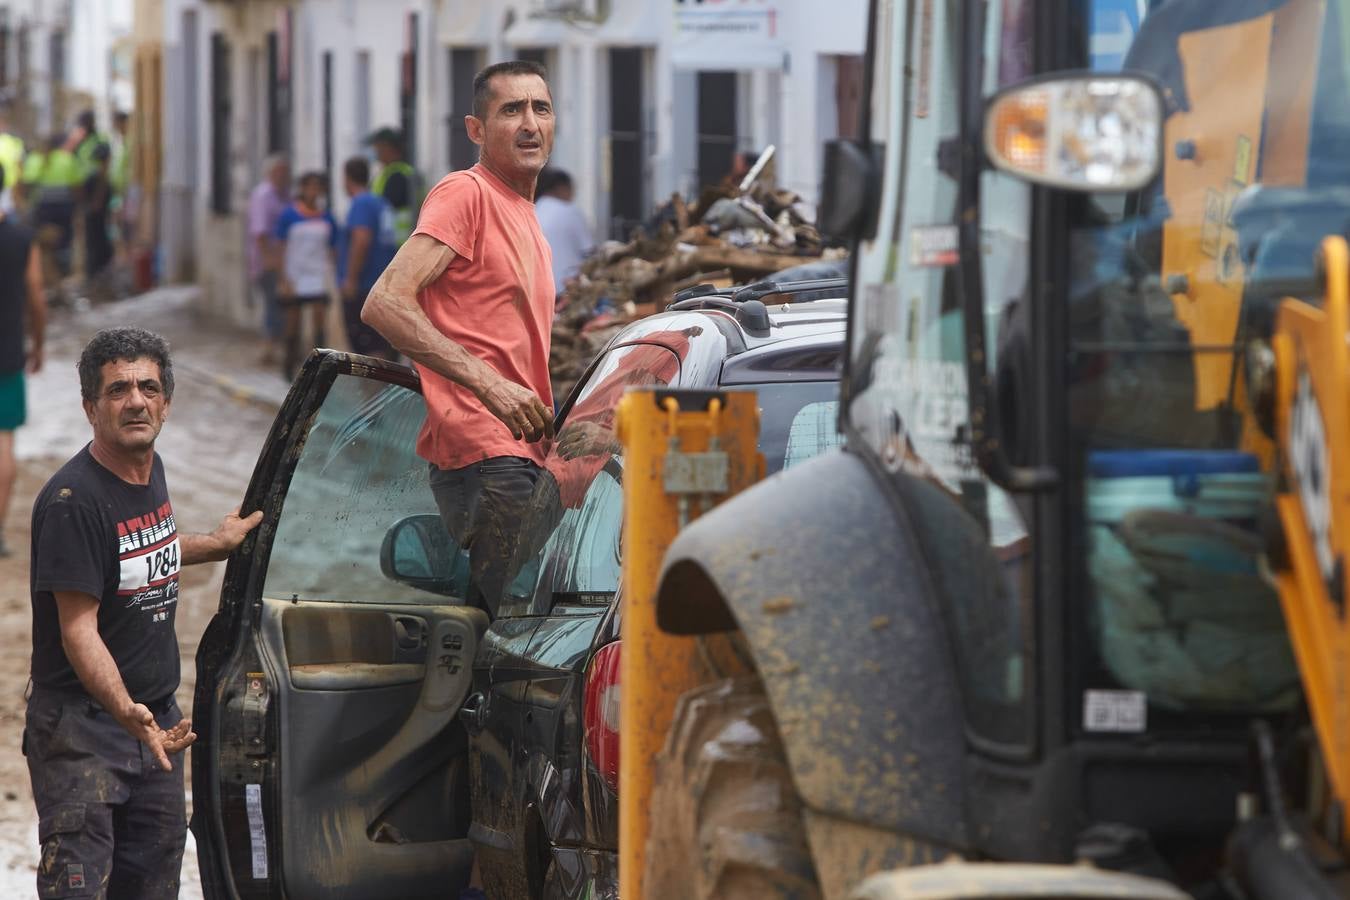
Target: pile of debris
<point>730,236</point>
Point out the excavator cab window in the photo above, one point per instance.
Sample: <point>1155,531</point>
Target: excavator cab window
<point>1169,289</point>
<point>908,396</point>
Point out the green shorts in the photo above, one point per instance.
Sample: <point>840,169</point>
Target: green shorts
<point>12,407</point>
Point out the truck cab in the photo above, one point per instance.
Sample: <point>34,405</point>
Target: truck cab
<point>1074,225</point>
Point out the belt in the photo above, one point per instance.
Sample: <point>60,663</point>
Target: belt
<point>92,706</point>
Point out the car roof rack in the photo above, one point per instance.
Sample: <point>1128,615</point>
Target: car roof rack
<point>706,296</point>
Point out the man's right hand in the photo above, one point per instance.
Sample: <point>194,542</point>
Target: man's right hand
<point>520,408</point>
<point>140,723</point>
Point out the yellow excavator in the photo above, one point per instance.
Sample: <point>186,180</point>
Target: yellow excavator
<point>1066,615</point>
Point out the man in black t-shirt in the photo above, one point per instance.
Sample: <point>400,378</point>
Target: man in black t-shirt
<point>102,723</point>
<point>21,297</point>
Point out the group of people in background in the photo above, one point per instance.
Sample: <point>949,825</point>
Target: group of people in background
<point>71,189</point>
<point>300,256</point>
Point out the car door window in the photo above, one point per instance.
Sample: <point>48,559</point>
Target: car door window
<point>572,547</point>
<point>798,420</point>
<point>357,476</point>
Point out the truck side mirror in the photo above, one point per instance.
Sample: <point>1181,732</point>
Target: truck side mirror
<point>1078,132</point>
<point>848,191</point>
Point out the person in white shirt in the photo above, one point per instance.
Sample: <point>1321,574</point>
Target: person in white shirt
<point>564,227</point>
<point>307,236</point>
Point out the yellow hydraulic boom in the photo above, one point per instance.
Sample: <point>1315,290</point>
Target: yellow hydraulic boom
<point>684,452</point>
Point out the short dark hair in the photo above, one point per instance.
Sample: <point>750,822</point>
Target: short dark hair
<point>86,120</point>
<point>482,89</point>
<point>312,175</point>
<point>357,170</point>
<point>551,180</point>
<point>130,344</point>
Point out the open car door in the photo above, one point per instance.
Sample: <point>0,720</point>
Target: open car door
<point>330,761</point>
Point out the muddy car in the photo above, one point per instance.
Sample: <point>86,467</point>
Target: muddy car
<point>362,732</point>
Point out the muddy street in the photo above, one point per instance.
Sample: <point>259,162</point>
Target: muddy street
<point>222,407</point>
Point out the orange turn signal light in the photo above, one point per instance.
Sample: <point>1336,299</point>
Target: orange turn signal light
<point>1020,129</point>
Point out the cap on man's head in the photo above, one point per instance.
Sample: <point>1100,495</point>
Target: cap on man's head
<point>386,136</point>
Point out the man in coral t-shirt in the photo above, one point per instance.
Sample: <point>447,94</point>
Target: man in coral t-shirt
<point>469,299</point>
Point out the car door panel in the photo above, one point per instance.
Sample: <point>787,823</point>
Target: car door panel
<point>389,745</point>
<point>559,652</point>
<point>332,761</point>
<point>500,683</point>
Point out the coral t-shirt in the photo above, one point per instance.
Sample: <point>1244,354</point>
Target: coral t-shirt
<point>496,300</point>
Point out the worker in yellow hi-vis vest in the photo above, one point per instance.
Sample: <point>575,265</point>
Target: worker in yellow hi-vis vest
<point>88,139</point>
<point>11,160</point>
<point>397,182</point>
<point>52,182</point>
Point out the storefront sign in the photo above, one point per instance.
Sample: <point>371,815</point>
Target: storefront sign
<point>728,34</point>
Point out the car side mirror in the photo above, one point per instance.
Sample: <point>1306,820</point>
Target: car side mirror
<point>1078,132</point>
<point>848,191</point>
<point>419,552</point>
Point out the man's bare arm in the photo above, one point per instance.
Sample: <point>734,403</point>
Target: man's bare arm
<point>97,671</point>
<point>37,308</point>
<point>213,547</point>
<point>392,310</point>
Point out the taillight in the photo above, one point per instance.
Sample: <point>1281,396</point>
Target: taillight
<point>601,716</point>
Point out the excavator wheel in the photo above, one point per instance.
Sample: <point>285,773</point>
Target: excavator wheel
<point>726,818</point>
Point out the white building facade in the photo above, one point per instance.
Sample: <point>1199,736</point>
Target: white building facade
<point>60,57</point>
<point>652,97</point>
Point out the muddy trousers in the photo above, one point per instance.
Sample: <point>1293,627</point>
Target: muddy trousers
<point>485,507</point>
<point>111,823</point>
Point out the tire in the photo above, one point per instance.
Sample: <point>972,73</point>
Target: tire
<point>726,818</point>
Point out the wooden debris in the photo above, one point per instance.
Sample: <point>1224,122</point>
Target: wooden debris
<point>725,238</point>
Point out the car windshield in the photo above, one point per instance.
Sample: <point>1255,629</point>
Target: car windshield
<point>1169,289</point>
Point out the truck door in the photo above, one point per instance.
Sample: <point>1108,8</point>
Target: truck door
<point>330,760</point>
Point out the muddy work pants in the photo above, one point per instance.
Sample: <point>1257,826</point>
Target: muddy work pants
<point>111,823</point>
<point>484,507</point>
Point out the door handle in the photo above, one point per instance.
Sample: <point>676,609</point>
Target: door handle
<point>473,712</point>
<point>410,633</point>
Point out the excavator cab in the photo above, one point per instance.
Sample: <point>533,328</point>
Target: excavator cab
<point>1035,609</point>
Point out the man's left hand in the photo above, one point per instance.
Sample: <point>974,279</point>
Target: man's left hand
<point>232,529</point>
<point>213,547</point>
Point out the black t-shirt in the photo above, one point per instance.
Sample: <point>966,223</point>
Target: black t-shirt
<point>15,241</point>
<point>97,534</point>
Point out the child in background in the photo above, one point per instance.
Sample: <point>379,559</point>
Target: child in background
<point>308,236</point>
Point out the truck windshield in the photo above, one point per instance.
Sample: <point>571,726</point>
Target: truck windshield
<point>1169,288</point>
<point>907,400</point>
